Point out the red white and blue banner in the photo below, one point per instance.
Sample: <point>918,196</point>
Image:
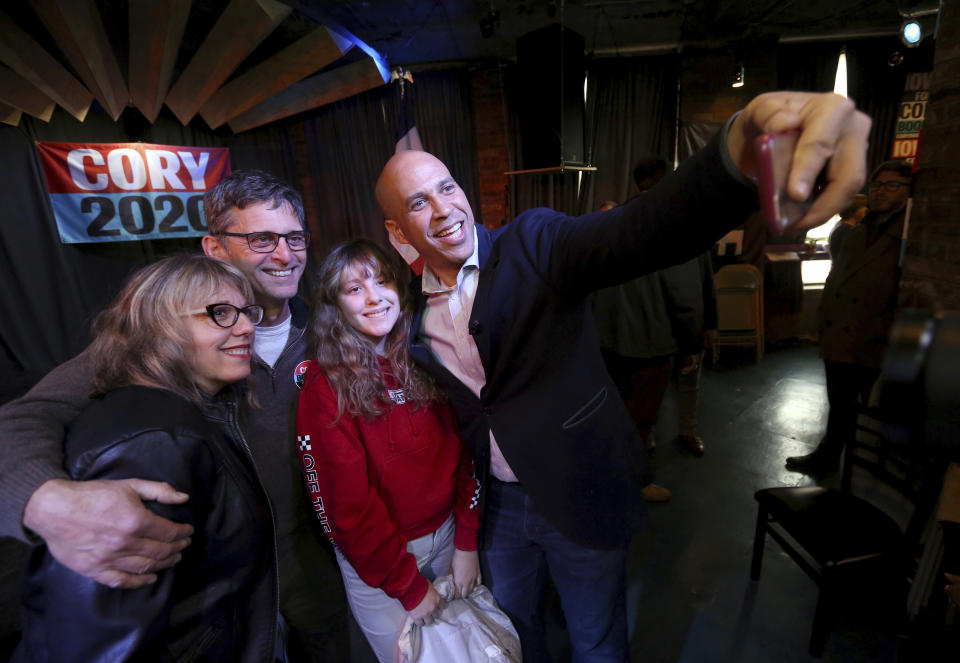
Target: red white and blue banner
<point>116,192</point>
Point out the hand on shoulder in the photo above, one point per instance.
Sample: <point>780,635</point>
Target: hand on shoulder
<point>102,530</point>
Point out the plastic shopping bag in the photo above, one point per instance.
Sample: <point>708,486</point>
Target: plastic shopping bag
<point>467,630</point>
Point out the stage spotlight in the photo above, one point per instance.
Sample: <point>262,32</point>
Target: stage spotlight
<point>738,77</point>
<point>911,34</point>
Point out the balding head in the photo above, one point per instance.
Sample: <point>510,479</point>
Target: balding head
<point>426,208</point>
<point>399,163</point>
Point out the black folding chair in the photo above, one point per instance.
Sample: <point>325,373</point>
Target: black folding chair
<point>840,538</point>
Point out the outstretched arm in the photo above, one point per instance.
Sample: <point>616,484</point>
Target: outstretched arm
<point>709,194</point>
<point>31,434</point>
<point>99,529</point>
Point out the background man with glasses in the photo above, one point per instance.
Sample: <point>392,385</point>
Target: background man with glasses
<point>856,311</point>
<point>101,528</point>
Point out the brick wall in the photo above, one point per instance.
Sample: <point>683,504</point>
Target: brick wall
<point>493,157</point>
<point>931,270</point>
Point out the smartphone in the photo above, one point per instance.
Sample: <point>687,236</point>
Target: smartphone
<point>774,153</point>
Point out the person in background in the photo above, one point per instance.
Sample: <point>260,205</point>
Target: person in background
<point>165,356</point>
<point>637,322</point>
<point>695,329</point>
<point>850,216</point>
<point>647,327</point>
<point>100,528</point>
<point>856,311</point>
<point>390,482</point>
<point>700,272</point>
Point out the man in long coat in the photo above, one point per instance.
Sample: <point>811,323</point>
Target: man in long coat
<point>856,311</point>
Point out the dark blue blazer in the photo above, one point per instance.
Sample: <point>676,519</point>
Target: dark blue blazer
<point>548,399</point>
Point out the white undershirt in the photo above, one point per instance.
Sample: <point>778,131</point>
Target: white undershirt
<point>268,342</point>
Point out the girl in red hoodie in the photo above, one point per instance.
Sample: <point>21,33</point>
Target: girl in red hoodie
<point>390,482</point>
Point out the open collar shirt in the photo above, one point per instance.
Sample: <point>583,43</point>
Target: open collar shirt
<point>445,324</point>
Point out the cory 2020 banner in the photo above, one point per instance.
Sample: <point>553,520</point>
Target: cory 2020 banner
<point>115,192</point>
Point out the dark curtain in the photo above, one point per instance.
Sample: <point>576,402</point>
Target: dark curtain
<point>877,88</point>
<point>631,114</point>
<point>693,136</point>
<point>443,109</point>
<point>874,78</point>
<point>348,143</point>
<point>45,303</point>
<point>807,67</point>
<point>268,148</point>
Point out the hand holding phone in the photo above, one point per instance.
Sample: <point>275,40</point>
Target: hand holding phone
<point>774,153</point>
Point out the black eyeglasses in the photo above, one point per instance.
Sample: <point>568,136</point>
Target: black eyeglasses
<point>266,242</point>
<point>226,315</point>
<point>889,187</point>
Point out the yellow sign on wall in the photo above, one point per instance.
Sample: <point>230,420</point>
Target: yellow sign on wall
<point>910,115</point>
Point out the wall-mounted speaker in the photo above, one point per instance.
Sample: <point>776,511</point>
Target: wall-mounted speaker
<point>551,68</point>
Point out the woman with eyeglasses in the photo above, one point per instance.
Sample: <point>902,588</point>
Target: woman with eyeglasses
<point>168,353</point>
<point>391,483</point>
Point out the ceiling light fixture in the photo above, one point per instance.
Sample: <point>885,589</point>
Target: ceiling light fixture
<point>738,77</point>
<point>919,23</point>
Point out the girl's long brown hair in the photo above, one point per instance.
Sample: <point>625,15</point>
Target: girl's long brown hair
<point>348,357</point>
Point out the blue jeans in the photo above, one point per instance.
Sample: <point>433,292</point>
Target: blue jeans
<point>521,547</point>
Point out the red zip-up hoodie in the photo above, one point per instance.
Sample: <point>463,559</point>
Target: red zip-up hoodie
<point>378,483</point>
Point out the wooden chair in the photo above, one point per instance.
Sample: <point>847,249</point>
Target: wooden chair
<point>740,307</point>
<point>838,537</point>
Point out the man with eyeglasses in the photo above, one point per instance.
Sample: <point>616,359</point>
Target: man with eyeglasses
<point>856,311</point>
<point>101,529</point>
